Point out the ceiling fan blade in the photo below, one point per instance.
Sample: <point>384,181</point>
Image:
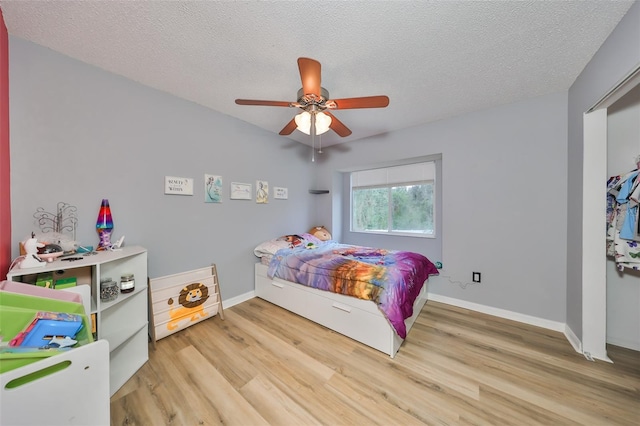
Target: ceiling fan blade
<point>289,128</point>
<point>365,102</point>
<point>310,76</point>
<point>337,125</point>
<point>263,103</point>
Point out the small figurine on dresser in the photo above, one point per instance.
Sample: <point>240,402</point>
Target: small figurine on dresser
<point>31,259</point>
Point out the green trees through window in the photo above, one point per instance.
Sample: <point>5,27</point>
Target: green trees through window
<point>370,209</point>
<point>412,208</point>
<point>393,208</point>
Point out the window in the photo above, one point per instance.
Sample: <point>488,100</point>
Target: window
<point>397,200</point>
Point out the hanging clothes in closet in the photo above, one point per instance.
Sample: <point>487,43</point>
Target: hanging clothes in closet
<point>623,198</point>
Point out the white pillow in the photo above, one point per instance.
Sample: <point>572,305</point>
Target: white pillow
<point>270,247</point>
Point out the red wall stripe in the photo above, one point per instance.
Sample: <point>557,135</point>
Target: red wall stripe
<point>5,159</point>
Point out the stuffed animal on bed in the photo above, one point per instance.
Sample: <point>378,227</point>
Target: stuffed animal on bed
<point>320,232</point>
<point>293,240</point>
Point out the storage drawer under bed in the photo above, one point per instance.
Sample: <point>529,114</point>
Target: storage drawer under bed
<point>359,319</point>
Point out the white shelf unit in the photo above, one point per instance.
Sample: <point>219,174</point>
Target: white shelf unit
<point>122,322</point>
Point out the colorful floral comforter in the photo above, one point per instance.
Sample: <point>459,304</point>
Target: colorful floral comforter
<point>392,279</point>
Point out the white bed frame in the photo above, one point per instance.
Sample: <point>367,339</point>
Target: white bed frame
<point>358,319</point>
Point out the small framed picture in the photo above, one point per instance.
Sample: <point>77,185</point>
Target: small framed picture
<point>280,193</point>
<point>240,191</point>
<point>178,185</point>
<point>262,192</point>
<point>212,189</point>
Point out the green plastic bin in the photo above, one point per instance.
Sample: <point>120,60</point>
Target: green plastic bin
<point>18,310</point>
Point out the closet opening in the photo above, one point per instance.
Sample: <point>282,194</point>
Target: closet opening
<point>594,252</point>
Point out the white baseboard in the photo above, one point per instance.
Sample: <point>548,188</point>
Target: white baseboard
<point>502,313</point>
<point>227,303</point>
<point>573,339</point>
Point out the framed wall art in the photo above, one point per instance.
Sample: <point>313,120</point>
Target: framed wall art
<point>240,191</point>
<point>280,193</point>
<point>262,192</point>
<point>212,189</point>
<point>178,185</point>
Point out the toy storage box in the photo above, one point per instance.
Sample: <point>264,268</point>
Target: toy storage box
<point>75,393</point>
<point>18,310</point>
<point>35,380</point>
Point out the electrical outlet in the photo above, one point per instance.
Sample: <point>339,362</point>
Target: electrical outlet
<point>476,277</point>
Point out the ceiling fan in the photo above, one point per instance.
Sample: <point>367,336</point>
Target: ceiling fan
<point>314,101</point>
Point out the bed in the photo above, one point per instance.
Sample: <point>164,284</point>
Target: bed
<point>371,295</point>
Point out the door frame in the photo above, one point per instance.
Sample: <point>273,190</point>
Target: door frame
<point>594,260</point>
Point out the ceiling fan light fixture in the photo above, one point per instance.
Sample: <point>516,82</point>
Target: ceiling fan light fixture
<point>314,99</point>
<point>303,121</point>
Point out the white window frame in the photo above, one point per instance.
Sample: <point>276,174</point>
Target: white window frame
<point>420,173</point>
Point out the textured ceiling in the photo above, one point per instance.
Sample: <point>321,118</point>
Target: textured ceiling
<point>434,59</point>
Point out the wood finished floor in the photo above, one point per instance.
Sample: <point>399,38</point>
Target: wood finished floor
<point>264,365</point>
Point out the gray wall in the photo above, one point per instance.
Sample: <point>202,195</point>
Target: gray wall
<point>504,202</point>
<point>80,134</point>
<point>617,57</point>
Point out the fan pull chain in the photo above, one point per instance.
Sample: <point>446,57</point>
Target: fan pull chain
<point>313,136</point>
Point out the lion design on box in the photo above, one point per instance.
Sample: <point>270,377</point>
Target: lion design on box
<point>191,301</point>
